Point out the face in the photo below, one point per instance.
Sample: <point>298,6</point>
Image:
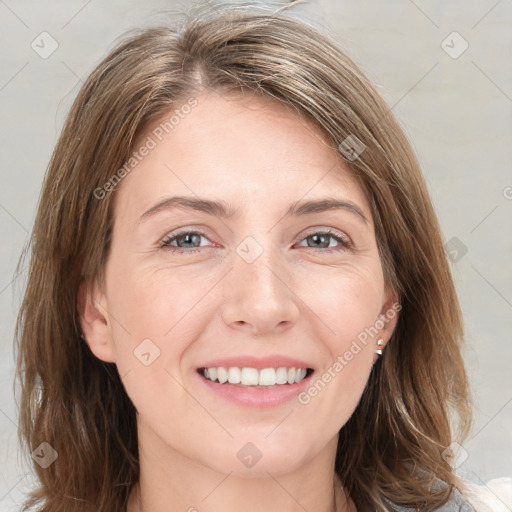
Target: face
<point>265,279</point>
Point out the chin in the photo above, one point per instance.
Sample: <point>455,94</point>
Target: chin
<point>247,459</point>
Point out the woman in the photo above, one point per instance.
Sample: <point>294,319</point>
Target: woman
<point>238,294</point>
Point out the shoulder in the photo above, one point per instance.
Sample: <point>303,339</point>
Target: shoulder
<point>456,503</point>
<point>493,496</point>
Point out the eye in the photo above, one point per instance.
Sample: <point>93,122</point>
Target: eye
<point>185,241</point>
<point>190,241</point>
<point>323,239</point>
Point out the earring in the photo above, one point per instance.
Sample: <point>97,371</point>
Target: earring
<point>379,344</point>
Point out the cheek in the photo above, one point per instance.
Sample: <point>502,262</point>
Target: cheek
<point>347,304</point>
<point>153,302</point>
<point>159,324</point>
<point>335,390</point>
<point>345,300</point>
<point>162,312</point>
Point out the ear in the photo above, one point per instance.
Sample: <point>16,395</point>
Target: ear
<point>94,320</point>
<point>389,316</point>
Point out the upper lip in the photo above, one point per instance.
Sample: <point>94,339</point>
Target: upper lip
<point>259,363</point>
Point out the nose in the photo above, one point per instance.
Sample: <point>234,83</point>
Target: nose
<point>260,296</point>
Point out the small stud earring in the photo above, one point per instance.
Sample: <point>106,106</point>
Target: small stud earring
<point>379,351</point>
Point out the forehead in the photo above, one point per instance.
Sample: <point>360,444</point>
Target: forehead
<point>247,150</point>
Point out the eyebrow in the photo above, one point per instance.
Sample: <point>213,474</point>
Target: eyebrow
<point>222,209</point>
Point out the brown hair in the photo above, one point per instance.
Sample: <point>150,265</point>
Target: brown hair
<point>77,403</point>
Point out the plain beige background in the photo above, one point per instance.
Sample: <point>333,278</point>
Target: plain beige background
<point>452,93</point>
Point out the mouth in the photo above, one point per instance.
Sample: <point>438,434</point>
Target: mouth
<point>248,377</point>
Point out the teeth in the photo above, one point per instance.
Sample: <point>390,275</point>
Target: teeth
<point>300,375</point>
<point>234,375</point>
<point>267,377</point>
<point>255,377</point>
<point>222,375</point>
<point>249,377</point>
<point>281,376</point>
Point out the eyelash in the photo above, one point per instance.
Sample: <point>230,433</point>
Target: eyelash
<point>345,244</point>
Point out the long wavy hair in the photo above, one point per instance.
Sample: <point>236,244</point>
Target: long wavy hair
<point>416,401</point>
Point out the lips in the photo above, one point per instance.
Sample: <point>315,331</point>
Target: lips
<point>256,382</point>
<point>259,363</point>
<point>252,371</point>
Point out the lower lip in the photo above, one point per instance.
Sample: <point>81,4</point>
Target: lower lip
<point>256,397</point>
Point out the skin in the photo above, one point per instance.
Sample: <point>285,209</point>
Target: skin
<point>298,298</point>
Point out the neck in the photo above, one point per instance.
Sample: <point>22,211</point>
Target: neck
<point>340,503</point>
<point>170,482</point>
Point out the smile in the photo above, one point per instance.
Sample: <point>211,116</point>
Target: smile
<point>254,377</point>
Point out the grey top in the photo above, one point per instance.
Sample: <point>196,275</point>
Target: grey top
<point>457,503</point>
